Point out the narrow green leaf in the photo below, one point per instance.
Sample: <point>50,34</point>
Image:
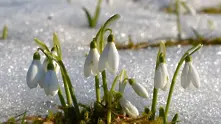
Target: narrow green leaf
<point>41,44</point>
<point>96,15</point>
<point>5,32</point>
<point>111,20</point>
<point>114,83</point>
<point>89,18</point>
<point>175,119</point>
<point>57,44</point>
<point>23,118</point>
<point>52,56</point>
<point>161,112</point>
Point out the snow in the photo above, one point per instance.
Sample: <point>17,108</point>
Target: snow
<point>28,19</point>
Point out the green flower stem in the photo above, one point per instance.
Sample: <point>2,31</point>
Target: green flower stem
<point>109,108</point>
<point>74,99</point>
<point>154,103</point>
<point>61,98</point>
<point>188,53</point>
<point>178,19</point>
<point>110,100</point>
<point>104,79</point>
<point>97,88</point>
<point>67,91</point>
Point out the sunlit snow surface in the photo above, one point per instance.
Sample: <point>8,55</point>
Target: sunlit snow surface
<point>28,19</point>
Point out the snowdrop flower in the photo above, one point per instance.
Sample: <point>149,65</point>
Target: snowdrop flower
<point>189,74</point>
<point>35,72</point>
<point>91,62</point>
<point>161,78</point>
<point>138,88</point>
<point>109,57</point>
<point>129,108</point>
<point>50,82</point>
<point>45,63</point>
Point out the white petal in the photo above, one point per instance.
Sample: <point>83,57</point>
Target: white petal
<point>109,69</point>
<point>113,57</point>
<point>32,75</point>
<point>41,73</point>
<point>94,63</point>
<point>103,58</point>
<point>87,64</point>
<point>140,90</point>
<point>165,76</point>
<point>166,86</point>
<point>45,64</point>
<point>158,77</point>
<point>130,109</point>
<point>194,76</point>
<point>184,76</point>
<point>51,84</point>
<point>56,67</point>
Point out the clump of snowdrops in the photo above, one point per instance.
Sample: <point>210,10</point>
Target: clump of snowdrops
<point>103,57</point>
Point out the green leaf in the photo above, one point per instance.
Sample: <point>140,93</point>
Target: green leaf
<point>5,32</point>
<point>52,56</point>
<point>41,44</point>
<point>23,118</point>
<point>96,15</point>
<point>175,119</point>
<point>89,18</point>
<point>57,44</point>
<point>161,112</point>
<point>111,20</point>
<point>114,83</point>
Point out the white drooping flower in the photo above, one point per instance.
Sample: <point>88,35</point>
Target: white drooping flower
<point>109,58</point>
<point>129,108</point>
<point>138,88</point>
<point>56,66</point>
<point>35,72</point>
<point>50,83</point>
<point>91,62</point>
<point>161,78</point>
<point>189,75</point>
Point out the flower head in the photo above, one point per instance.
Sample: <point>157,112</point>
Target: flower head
<point>189,74</point>
<point>109,57</point>
<point>129,108</point>
<point>161,78</point>
<point>35,72</point>
<point>91,62</point>
<point>56,66</point>
<point>138,88</point>
<point>50,82</point>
